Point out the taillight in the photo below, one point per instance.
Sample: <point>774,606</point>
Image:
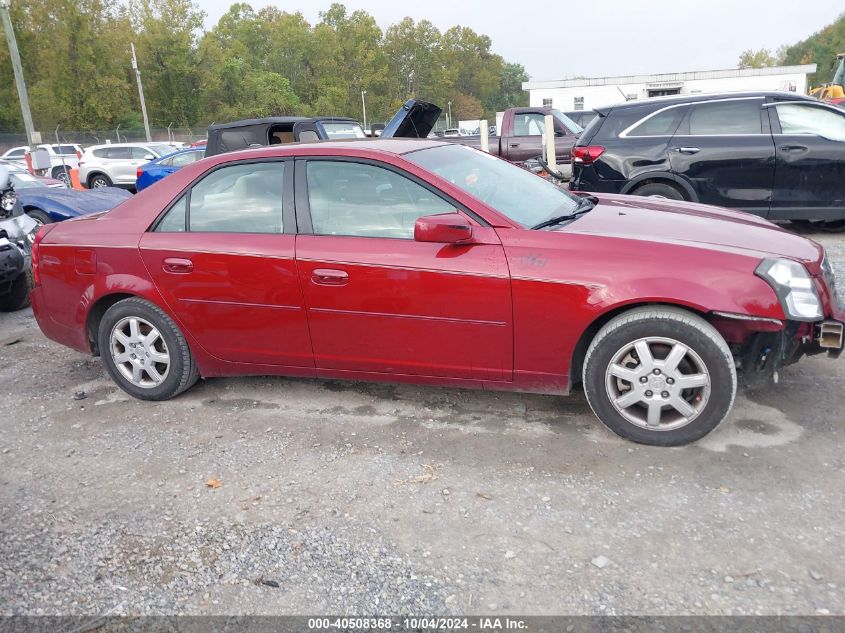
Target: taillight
<point>137,173</point>
<point>36,247</point>
<point>586,154</point>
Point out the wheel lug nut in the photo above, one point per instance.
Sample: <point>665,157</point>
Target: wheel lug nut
<point>649,394</point>
<point>643,379</point>
<point>671,381</point>
<point>665,394</point>
<point>656,372</point>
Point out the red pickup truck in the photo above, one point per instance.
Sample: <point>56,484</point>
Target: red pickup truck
<point>520,134</point>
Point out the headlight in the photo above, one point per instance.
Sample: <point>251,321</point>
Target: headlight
<point>9,199</point>
<point>794,286</point>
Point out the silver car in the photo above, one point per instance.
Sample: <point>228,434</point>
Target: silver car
<point>117,164</point>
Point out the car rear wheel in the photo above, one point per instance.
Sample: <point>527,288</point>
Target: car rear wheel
<point>659,375</point>
<point>659,190</point>
<point>144,351</point>
<point>99,180</point>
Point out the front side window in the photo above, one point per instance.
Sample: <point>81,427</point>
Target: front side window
<point>802,119</point>
<point>141,153</point>
<point>721,118</point>
<point>16,153</point>
<point>364,200</point>
<point>512,191</point>
<point>241,198</point>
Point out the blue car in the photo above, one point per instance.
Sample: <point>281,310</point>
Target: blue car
<point>157,169</point>
<point>48,204</point>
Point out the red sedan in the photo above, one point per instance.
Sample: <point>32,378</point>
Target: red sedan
<point>428,262</point>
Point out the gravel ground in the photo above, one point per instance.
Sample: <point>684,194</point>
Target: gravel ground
<point>368,498</point>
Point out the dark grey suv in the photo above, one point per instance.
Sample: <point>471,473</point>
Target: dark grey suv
<point>778,155</point>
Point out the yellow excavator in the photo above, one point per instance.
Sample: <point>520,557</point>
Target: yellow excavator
<point>834,92</point>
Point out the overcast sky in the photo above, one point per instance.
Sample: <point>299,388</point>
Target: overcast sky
<point>593,38</point>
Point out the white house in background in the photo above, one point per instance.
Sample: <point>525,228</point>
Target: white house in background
<point>587,94</point>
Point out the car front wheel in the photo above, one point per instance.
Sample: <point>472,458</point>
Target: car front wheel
<point>659,375</point>
<point>144,351</point>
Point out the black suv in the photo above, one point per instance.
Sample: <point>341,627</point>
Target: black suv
<point>778,155</point>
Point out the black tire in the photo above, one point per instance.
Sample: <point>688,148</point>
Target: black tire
<point>693,333</point>
<point>659,190</point>
<point>182,372</point>
<point>39,216</point>
<point>96,181</point>
<point>63,174</point>
<point>17,297</point>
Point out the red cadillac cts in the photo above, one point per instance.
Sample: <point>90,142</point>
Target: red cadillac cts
<point>427,262</point>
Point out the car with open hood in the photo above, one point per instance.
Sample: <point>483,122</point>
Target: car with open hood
<point>430,262</point>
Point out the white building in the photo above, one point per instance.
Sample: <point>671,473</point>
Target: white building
<point>587,94</point>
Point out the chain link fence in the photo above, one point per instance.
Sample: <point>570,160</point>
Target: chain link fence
<point>185,135</point>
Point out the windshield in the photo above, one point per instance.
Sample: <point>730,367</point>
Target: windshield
<point>342,130</point>
<point>569,123</point>
<point>520,195</point>
<point>162,150</point>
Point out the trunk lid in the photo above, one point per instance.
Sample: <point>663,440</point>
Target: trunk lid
<point>415,119</point>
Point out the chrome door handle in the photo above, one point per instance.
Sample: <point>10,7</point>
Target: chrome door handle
<point>793,148</point>
<point>687,150</point>
<point>514,144</point>
<point>177,265</point>
<point>329,277</point>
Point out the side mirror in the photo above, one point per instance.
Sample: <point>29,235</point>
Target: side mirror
<point>149,157</point>
<point>4,177</point>
<point>444,228</point>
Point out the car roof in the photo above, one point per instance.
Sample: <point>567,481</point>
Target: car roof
<point>396,146</point>
<point>275,119</point>
<point>710,96</point>
<point>137,144</point>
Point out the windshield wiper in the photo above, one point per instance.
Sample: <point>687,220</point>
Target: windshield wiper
<point>585,205</point>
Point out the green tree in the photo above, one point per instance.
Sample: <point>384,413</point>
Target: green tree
<point>820,48</point>
<point>166,51</point>
<point>757,59</point>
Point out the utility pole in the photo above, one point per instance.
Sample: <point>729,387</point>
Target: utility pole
<point>19,80</point>
<point>140,93</point>
<point>364,107</point>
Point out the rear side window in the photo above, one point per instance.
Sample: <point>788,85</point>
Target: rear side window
<point>660,124</point>
<point>241,198</point>
<point>15,153</point>
<point>726,118</point>
<point>180,160</point>
<point>119,153</point>
<point>103,152</point>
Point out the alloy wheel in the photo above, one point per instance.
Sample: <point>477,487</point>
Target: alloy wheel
<point>658,383</point>
<point>139,352</point>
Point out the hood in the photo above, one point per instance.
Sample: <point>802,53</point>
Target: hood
<point>80,202</point>
<point>415,119</point>
<point>689,224</point>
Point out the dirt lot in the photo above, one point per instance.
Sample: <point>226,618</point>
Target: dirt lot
<point>360,498</point>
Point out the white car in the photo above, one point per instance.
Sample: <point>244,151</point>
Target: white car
<point>63,157</point>
<point>116,164</point>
